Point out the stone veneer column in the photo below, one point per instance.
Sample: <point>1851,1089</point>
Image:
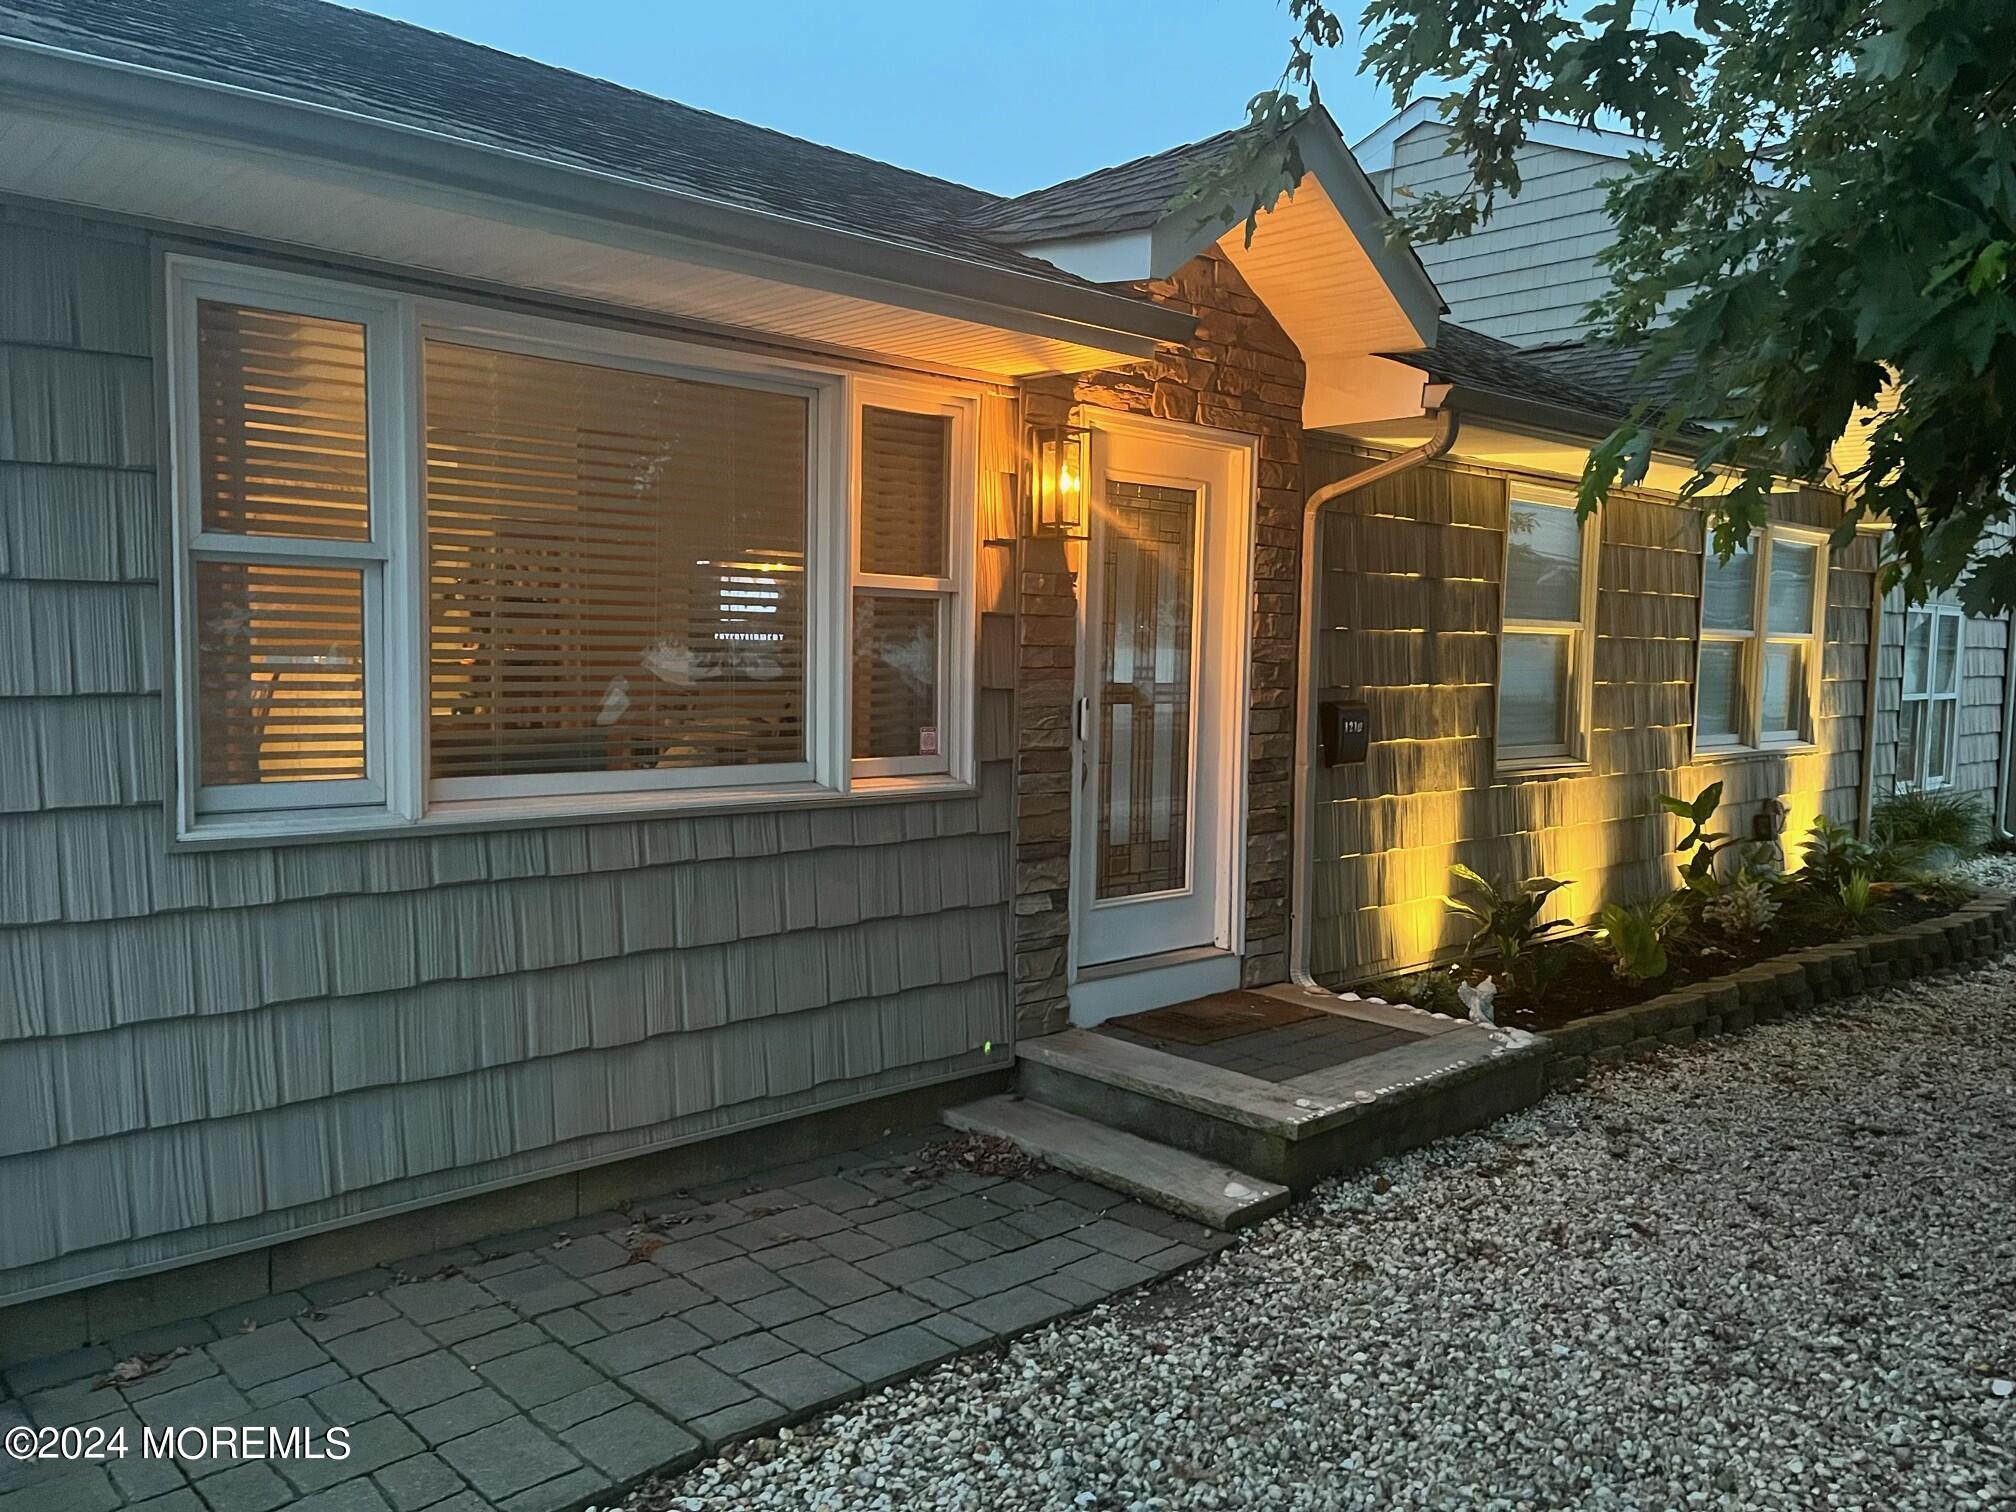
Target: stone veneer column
<point>1241,373</point>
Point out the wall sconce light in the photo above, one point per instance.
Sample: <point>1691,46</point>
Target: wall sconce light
<point>1057,484</point>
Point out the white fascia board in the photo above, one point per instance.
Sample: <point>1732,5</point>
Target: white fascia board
<point>144,97</point>
<point>1345,391</point>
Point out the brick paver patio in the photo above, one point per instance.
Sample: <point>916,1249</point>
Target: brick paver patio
<point>539,1371</point>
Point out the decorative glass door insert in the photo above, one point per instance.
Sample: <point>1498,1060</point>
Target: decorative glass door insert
<point>1145,688</point>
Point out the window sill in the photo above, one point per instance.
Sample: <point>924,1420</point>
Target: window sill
<point>1543,766</point>
<point>1752,753</point>
<point>469,816</point>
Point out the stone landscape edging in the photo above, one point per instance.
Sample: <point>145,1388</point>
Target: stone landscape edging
<point>1790,983</point>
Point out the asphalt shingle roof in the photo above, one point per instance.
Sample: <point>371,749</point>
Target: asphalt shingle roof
<point>326,54</point>
<point>1126,197</point>
<point>1474,360</point>
<point>1611,369</point>
<point>329,55</point>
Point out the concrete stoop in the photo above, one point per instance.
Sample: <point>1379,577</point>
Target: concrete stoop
<point>1184,1135</point>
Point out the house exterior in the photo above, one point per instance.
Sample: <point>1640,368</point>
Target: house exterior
<point>1942,713</point>
<point>562,646</point>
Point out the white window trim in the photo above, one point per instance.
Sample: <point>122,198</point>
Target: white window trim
<point>1752,739</point>
<point>956,630</point>
<point>1573,753</point>
<point>397,793</point>
<point>1937,610</point>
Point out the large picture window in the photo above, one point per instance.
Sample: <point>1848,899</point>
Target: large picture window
<point>1543,651</point>
<point>1934,642</point>
<point>437,563</point>
<point>1759,665</point>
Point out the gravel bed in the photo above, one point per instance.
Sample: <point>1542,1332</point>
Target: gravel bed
<point>1995,871</point>
<point>1776,1271</point>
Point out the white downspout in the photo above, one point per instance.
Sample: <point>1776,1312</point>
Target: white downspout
<point>2002,830</point>
<point>1302,818</point>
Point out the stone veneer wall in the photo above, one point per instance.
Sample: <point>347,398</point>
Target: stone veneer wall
<point>1240,373</point>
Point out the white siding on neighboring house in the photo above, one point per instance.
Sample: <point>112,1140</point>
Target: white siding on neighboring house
<point>1527,275</point>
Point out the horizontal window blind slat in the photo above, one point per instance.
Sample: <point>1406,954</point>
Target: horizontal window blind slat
<point>280,673</point>
<point>905,482</point>
<point>281,424</point>
<point>616,568</point>
<point>895,676</point>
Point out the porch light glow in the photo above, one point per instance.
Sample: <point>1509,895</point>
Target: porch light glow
<point>1056,481</point>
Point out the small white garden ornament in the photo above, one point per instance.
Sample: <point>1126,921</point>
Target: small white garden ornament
<point>1479,998</point>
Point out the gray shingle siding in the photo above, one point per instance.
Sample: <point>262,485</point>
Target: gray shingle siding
<point>1528,274</point>
<point>203,1050</point>
<point>1977,752</point>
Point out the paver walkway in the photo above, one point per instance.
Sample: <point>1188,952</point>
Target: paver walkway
<point>541,1370</point>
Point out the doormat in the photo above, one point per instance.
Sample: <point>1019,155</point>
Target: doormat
<point>1222,1016</point>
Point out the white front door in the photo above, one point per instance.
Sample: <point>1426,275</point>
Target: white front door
<point>1161,729</point>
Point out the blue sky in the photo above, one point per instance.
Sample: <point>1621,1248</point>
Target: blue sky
<point>1002,97</point>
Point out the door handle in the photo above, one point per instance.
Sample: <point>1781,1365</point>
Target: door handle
<point>1081,720</point>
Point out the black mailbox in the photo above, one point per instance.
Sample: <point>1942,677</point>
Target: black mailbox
<point>1343,730</point>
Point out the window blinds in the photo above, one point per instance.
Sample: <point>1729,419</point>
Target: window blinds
<point>905,465</point>
<point>282,429</point>
<point>616,566</point>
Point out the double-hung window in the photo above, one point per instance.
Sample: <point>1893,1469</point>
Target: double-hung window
<point>1543,652</point>
<point>1934,641</point>
<point>1759,669</point>
<point>439,563</point>
<point>904,592</point>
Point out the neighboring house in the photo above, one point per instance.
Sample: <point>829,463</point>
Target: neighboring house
<point>557,642</point>
<point>1527,277</point>
<point>1528,273</point>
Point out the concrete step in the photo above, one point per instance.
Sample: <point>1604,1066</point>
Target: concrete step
<point>1295,1132</point>
<point>1173,1179</point>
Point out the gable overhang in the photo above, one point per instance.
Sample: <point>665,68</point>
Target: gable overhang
<point>170,150</point>
<point>1319,260</point>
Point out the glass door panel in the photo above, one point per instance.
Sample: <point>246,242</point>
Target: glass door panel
<point>1147,572</point>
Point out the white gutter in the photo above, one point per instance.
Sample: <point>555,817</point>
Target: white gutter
<point>1302,818</point>
<point>714,232</point>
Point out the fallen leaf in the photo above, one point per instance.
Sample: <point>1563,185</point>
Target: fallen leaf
<point>134,1368</point>
<point>643,1250</point>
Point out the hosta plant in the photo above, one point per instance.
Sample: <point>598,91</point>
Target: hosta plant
<point>1636,934</point>
<point>1742,907</point>
<point>1506,921</point>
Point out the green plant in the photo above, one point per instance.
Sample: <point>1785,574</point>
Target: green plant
<point>1833,852</point>
<point>1507,919</point>
<point>1926,832</point>
<point>1744,905</point>
<point>1865,260</point>
<point>1700,845</point>
<point>1857,896</point>
<point>1636,934</point>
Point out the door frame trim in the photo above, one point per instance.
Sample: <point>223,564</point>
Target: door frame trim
<point>1235,578</point>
